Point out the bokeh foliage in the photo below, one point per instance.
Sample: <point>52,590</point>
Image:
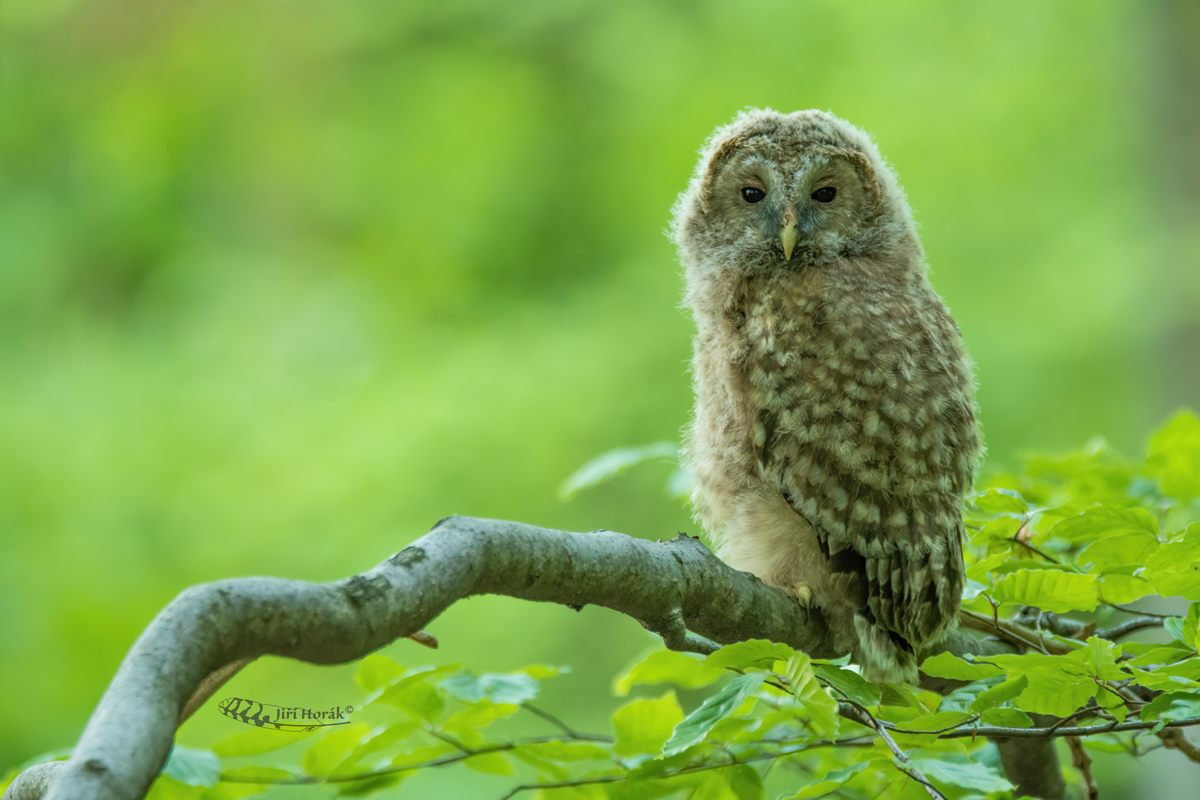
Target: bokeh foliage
<point>282,283</point>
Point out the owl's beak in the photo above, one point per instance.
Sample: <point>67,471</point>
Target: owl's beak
<point>789,234</point>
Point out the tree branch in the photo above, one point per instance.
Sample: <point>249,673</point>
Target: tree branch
<point>670,587</point>
<point>209,631</point>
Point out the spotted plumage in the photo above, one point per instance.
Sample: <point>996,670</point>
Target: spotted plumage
<point>834,433</point>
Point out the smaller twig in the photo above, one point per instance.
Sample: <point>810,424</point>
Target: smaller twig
<point>450,740</point>
<point>1033,549</point>
<point>1174,739</point>
<point>306,780</point>
<point>1083,762</point>
<point>1128,610</point>
<point>1092,709</point>
<point>940,730</point>
<point>1012,632</point>
<point>1035,733</point>
<point>1129,626</point>
<point>905,763</point>
<point>564,727</point>
<point>685,771</point>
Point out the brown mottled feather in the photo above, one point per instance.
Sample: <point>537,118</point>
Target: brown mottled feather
<point>835,432</point>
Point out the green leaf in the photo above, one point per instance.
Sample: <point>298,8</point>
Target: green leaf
<point>609,465</point>
<point>544,768</point>
<point>666,666</point>
<point>1173,705</point>
<point>540,672</point>
<point>1006,718</point>
<point>1185,629</point>
<point>821,708</point>
<point>744,782</point>
<point>1100,658</point>
<point>1057,684</point>
<point>410,677</point>
<point>1175,568</point>
<point>1120,589</point>
<point>996,530</point>
<point>752,654</point>
<point>369,785</point>
<point>567,751</point>
<point>831,781</point>
<point>945,665</point>
<point>1001,693</point>
<point>376,671</point>
<point>937,722</point>
<point>968,776</point>
<point>267,775</point>
<point>331,750</point>
<point>380,740</point>
<point>491,763</point>
<point>1048,590</point>
<point>644,725</point>
<point>417,698</point>
<point>1101,521</point>
<point>1155,654</point>
<point>515,687</point>
<point>901,695</point>
<point>1113,552</point>
<point>423,754</point>
<point>850,683</point>
<point>715,708</point>
<point>1163,681</point>
<point>979,570</point>
<point>964,697</point>
<point>167,788</point>
<point>1001,501</point>
<point>193,767</point>
<point>259,740</point>
<point>1174,456</point>
<point>1112,702</point>
<point>479,715</point>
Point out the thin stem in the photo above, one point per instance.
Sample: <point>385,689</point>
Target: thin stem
<point>941,730</point>
<point>1012,632</point>
<point>436,762</point>
<point>685,771</point>
<point>1028,733</point>
<point>564,727</point>
<point>1033,549</point>
<point>1129,626</point>
<point>1128,610</point>
<point>1083,762</point>
<point>906,765</point>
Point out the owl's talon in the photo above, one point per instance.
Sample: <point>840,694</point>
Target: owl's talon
<point>803,595</point>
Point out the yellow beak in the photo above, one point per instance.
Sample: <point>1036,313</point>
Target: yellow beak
<point>789,234</point>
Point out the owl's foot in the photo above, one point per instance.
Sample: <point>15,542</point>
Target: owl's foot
<point>803,595</point>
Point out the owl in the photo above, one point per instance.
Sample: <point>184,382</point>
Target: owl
<point>834,431</point>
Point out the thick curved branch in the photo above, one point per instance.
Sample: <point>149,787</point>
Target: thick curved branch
<point>670,587</point>
<point>210,631</point>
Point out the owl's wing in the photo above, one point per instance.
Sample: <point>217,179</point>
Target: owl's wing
<point>894,545</point>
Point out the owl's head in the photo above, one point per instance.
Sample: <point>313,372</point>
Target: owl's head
<point>784,191</point>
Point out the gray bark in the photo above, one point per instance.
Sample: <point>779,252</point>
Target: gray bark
<point>670,587</point>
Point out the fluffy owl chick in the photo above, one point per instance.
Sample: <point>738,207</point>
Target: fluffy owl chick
<point>834,432</point>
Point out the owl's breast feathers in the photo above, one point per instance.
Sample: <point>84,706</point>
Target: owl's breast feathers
<point>863,419</point>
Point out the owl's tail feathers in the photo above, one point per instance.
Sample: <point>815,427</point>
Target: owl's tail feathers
<point>882,658</point>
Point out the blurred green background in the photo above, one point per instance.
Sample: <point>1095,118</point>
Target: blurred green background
<point>282,283</point>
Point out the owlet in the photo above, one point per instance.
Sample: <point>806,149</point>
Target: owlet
<point>834,433</point>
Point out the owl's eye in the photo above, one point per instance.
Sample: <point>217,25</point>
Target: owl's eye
<point>825,194</point>
<point>752,194</point>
